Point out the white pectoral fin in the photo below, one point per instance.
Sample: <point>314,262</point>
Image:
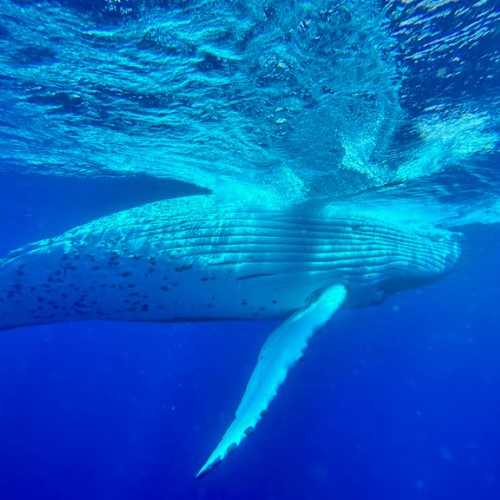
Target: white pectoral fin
<point>282,350</point>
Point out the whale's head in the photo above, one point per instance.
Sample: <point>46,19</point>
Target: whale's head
<point>373,259</point>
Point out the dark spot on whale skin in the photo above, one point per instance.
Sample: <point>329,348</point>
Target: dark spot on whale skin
<point>165,278</point>
<point>103,285</point>
<point>209,306</point>
<point>91,257</point>
<point>133,294</point>
<point>175,283</point>
<point>131,309</point>
<point>19,272</point>
<point>58,272</point>
<point>125,274</point>
<point>185,267</point>
<point>144,307</point>
<point>262,308</point>
<point>151,270</point>
<point>113,260</point>
<point>244,302</point>
<point>204,279</point>
<point>275,302</point>
<point>10,294</point>
<point>165,288</point>
<point>95,268</point>
<point>17,287</point>
<point>131,285</point>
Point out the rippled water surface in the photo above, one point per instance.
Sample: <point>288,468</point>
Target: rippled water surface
<point>262,100</point>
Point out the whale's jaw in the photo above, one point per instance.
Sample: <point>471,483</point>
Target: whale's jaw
<point>197,259</point>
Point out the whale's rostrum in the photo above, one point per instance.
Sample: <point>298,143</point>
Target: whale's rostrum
<point>196,258</point>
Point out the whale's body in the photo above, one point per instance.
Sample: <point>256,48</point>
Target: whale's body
<point>195,258</point>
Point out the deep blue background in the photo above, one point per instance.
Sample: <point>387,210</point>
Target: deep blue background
<point>398,401</point>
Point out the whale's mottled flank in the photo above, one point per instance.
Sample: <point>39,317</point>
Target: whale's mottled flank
<point>195,258</point>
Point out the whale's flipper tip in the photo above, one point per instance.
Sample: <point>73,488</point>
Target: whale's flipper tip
<point>282,350</point>
<point>209,465</point>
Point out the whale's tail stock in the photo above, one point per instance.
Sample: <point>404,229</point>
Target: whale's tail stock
<point>32,281</point>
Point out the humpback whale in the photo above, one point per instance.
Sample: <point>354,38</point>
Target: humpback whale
<point>197,258</point>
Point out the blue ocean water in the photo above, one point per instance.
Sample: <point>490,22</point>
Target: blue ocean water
<point>390,107</point>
